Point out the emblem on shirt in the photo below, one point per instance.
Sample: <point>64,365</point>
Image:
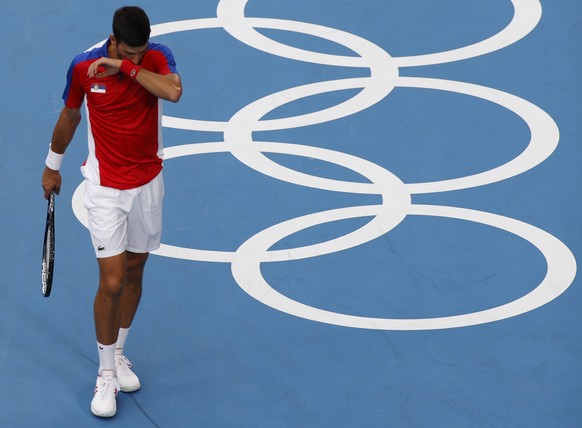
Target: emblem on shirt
<point>98,88</point>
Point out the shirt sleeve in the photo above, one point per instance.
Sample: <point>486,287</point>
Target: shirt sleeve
<point>73,94</point>
<point>163,59</point>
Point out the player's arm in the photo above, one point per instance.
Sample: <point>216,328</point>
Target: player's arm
<point>165,86</point>
<point>62,136</point>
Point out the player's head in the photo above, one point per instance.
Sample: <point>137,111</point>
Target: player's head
<point>131,26</point>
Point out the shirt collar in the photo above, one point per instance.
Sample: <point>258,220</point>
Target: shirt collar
<point>104,50</point>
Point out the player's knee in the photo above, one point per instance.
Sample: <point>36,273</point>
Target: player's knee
<point>112,285</point>
<point>135,267</point>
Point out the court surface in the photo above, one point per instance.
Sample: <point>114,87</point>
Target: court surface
<point>372,218</point>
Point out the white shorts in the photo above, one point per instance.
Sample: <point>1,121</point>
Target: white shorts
<point>125,220</point>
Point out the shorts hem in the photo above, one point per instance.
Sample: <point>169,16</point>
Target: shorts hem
<point>105,254</point>
<point>141,250</point>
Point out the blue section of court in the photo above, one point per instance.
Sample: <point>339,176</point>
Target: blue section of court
<point>208,353</point>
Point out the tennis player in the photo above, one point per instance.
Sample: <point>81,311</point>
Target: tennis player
<point>122,84</point>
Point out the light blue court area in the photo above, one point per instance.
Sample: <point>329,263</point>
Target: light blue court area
<point>372,218</point>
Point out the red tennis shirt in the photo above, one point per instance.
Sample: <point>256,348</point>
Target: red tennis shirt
<point>124,120</point>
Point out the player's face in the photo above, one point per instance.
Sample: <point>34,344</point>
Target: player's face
<point>132,53</point>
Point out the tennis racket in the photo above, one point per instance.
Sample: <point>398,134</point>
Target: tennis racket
<point>48,251</point>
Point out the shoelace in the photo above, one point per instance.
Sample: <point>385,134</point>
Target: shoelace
<point>103,386</point>
<point>124,361</point>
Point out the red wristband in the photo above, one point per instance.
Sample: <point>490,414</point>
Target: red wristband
<point>129,68</point>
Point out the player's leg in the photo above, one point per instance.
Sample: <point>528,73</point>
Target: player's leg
<point>112,277</point>
<point>144,230</point>
<point>106,312</point>
<point>107,215</point>
<point>128,305</point>
<point>132,291</point>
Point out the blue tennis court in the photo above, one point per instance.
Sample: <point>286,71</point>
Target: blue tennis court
<point>372,218</point>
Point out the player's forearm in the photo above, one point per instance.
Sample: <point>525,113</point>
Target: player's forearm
<point>65,129</point>
<point>62,135</point>
<point>167,87</point>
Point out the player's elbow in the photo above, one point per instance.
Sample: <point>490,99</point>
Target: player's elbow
<point>175,94</point>
<point>173,88</point>
<point>71,115</point>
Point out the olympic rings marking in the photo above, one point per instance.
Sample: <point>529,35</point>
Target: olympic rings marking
<point>396,204</point>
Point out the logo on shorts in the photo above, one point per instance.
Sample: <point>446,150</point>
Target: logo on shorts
<point>100,248</point>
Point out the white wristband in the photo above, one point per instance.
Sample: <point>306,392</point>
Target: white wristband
<point>54,160</point>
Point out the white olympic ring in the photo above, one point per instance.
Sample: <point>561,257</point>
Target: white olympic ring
<point>561,271</point>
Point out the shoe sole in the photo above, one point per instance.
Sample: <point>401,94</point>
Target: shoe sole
<point>130,388</point>
<point>105,414</point>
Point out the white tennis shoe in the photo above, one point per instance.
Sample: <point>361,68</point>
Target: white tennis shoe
<point>128,381</point>
<point>106,388</point>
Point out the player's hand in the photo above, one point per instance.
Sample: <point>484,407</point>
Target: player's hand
<point>51,180</point>
<point>111,67</point>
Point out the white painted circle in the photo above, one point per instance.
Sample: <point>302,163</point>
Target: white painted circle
<point>561,271</point>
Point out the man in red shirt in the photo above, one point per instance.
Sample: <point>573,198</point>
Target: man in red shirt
<point>122,84</point>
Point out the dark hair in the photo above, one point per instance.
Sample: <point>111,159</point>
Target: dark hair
<point>131,26</point>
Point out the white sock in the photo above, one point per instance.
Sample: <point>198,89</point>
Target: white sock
<point>121,338</point>
<point>106,357</point>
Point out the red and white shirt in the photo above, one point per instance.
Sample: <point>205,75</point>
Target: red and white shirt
<point>124,120</point>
